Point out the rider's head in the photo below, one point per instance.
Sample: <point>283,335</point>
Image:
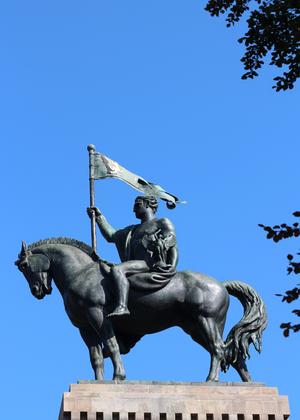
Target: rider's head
<point>143,204</point>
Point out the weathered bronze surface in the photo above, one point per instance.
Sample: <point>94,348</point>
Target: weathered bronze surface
<point>115,305</point>
<point>195,302</point>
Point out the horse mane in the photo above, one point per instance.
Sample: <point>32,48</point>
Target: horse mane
<point>64,241</point>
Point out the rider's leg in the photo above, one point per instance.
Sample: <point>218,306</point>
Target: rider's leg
<point>119,274</point>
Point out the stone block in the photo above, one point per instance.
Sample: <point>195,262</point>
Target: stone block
<point>109,400</point>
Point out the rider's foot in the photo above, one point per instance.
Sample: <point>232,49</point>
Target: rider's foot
<point>120,310</point>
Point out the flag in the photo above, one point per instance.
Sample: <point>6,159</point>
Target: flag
<point>102,167</point>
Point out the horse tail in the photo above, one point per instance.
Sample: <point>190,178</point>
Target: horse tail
<point>249,329</point>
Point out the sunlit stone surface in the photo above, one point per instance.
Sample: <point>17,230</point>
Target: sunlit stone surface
<point>107,400</point>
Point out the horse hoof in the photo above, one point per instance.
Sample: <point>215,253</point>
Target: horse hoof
<point>119,378</point>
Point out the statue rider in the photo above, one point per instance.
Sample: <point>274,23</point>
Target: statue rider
<point>148,248</point>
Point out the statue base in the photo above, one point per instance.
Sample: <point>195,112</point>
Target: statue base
<point>141,400</point>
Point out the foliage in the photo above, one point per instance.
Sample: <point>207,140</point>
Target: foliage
<point>273,27</point>
<point>277,233</point>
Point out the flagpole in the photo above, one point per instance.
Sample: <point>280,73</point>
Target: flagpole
<point>91,150</point>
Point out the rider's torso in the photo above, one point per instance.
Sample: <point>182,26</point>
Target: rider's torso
<point>138,251</point>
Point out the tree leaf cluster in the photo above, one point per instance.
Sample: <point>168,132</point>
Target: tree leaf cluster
<point>273,28</point>
<point>278,233</point>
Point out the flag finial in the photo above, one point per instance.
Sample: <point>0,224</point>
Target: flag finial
<point>91,148</point>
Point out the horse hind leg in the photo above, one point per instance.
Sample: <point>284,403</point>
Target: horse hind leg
<point>208,335</point>
<point>241,368</point>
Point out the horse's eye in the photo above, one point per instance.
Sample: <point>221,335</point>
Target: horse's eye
<point>23,266</point>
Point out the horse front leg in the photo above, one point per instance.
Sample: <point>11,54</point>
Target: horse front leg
<point>112,348</point>
<point>96,357</point>
<point>105,333</point>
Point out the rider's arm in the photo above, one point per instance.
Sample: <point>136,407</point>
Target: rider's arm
<point>168,232</point>
<point>172,256</point>
<point>106,229</point>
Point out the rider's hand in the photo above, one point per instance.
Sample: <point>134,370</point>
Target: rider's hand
<point>91,210</point>
<point>162,267</point>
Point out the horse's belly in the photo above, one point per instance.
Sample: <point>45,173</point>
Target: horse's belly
<point>133,325</point>
<point>149,314</point>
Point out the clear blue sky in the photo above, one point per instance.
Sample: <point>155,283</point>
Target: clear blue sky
<point>156,86</point>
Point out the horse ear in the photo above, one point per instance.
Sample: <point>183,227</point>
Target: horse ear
<point>23,254</point>
<point>23,249</point>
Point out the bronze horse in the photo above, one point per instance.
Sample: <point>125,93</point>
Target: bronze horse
<point>193,301</point>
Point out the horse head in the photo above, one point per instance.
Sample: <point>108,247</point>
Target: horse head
<point>36,269</point>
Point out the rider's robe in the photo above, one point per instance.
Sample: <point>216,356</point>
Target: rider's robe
<point>143,281</point>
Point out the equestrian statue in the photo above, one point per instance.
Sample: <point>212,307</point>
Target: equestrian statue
<point>115,305</point>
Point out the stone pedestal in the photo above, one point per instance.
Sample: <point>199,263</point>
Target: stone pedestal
<point>108,400</point>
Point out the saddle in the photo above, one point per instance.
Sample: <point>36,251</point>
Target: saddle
<point>151,281</point>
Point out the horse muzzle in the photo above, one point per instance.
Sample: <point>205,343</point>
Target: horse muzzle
<point>37,291</point>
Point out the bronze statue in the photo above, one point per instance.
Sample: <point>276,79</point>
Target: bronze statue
<point>147,250</point>
<point>115,305</point>
<point>192,301</point>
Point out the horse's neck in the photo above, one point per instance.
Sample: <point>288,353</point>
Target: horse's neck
<point>66,261</point>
